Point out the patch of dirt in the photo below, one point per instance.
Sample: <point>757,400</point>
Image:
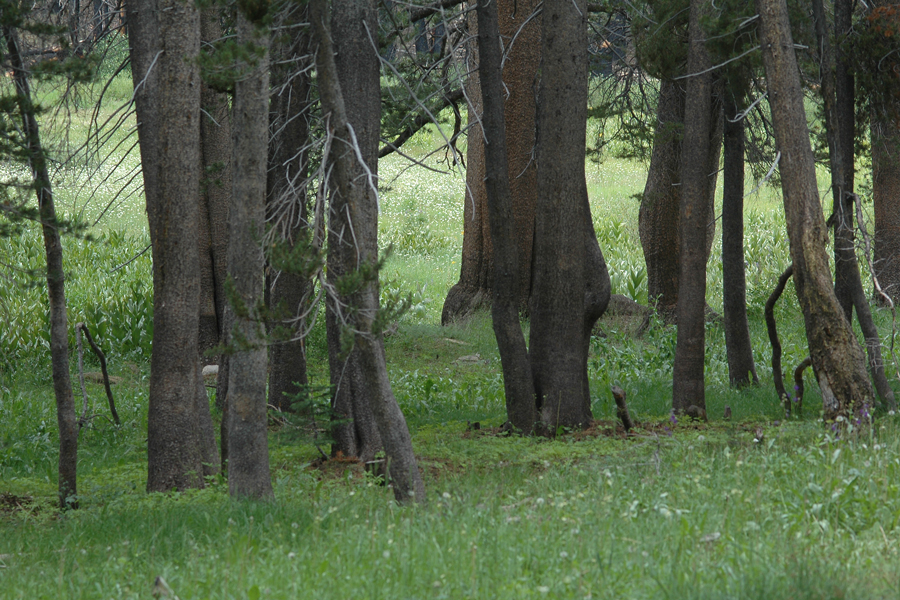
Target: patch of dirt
<point>11,503</point>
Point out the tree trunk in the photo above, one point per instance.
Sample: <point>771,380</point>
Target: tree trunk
<point>837,358</point>
<point>694,217</point>
<point>886,198</point>
<point>248,448</point>
<point>738,350</point>
<point>473,290</point>
<point>517,378</point>
<point>355,431</point>
<point>166,35</point>
<point>570,287</point>
<point>356,188</point>
<point>658,219</point>
<point>56,294</point>
<point>287,202</point>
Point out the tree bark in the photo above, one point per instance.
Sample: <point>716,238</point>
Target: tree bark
<point>248,449</point>
<point>355,431</point>
<point>517,379</point>
<point>738,350</point>
<point>358,192</point>
<point>474,288</point>
<point>570,286</point>
<point>837,358</point>
<point>287,201</point>
<point>56,294</point>
<point>688,387</point>
<point>886,199</point>
<point>165,35</point>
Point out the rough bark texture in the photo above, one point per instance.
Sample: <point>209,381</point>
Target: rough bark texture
<point>837,358</point>
<point>517,380</point>
<point>738,350</point>
<point>287,201</point>
<point>688,387</point>
<point>358,193</point>
<point>56,293</point>
<point>248,447</point>
<point>355,431</point>
<point>168,105</point>
<point>886,198</point>
<point>473,290</point>
<point>658,220</point>
<point>570,286</point>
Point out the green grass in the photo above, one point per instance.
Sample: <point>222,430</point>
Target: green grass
<point>679,510</point>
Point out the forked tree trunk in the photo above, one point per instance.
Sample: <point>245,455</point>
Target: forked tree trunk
<point>355,431</point>
<point>248,448</point>
<point>738,350</point>
<point>571,287</point>
<point>473,290</point>
<point>287,200</point>
<point>688,387</point>
<point>517,379</point>
<point>837,358</point>
<point>358,191</point>
<point>165,34</point>
<point>56,294</point>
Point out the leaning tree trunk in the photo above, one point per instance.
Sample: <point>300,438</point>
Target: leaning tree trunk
<point>571,287</point>
<point>248,448</point>
<point>519,72</point>
<point>287,203</point>
<point>354,430</point>
<point>738,350</point>
<point>837,358</point>
<point>56,293</point>
<point>517,378</point>
<point>356,186</point>
<point>688,387</point>
<point>658,219</point>
<point>165,34</point>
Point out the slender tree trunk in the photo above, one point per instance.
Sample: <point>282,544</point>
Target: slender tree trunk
<point>248,447</point>
<point>837,358</point>
<point>519,72</point>
<point>738,350</point>
<point>517,378</point>
<point>165,35</point>
<point>355,430</point>
<point>356,184</point>
<point>688,371</point>
<point>287,200</point>
<point>56,294</point>
<point>570,287</point>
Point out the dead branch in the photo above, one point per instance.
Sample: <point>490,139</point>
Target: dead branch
<point>772,329</point>
<point>798,384</point>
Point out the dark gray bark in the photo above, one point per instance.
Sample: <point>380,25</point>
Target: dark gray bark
<point>688,387</point>
<point>837,358</point>
<point>287,201</point>
<point>248,448</point>
<point>517,379</point>
<point>357,191</point>
<point>738,350</point>
<point>166,35</point>
<point>570,285</point>
<point>56,294</point>
<point>886,199</point>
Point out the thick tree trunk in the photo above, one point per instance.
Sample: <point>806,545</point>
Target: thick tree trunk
<point>837,358</point>
<point>473,290</point>
<point>355,431</point>
<point>517,378</point>
<point>886,193</point>
<point>738,350</point>
<point>287,202</point>
<point>356,187</point>
<point>688,387</point>
<point>570,287</point>
<point>165,34</point>
<point>56,294</point>
<point>248,447</point>
<point>658,219</point>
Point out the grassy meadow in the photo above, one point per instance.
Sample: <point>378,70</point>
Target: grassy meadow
<point>754,507</point>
